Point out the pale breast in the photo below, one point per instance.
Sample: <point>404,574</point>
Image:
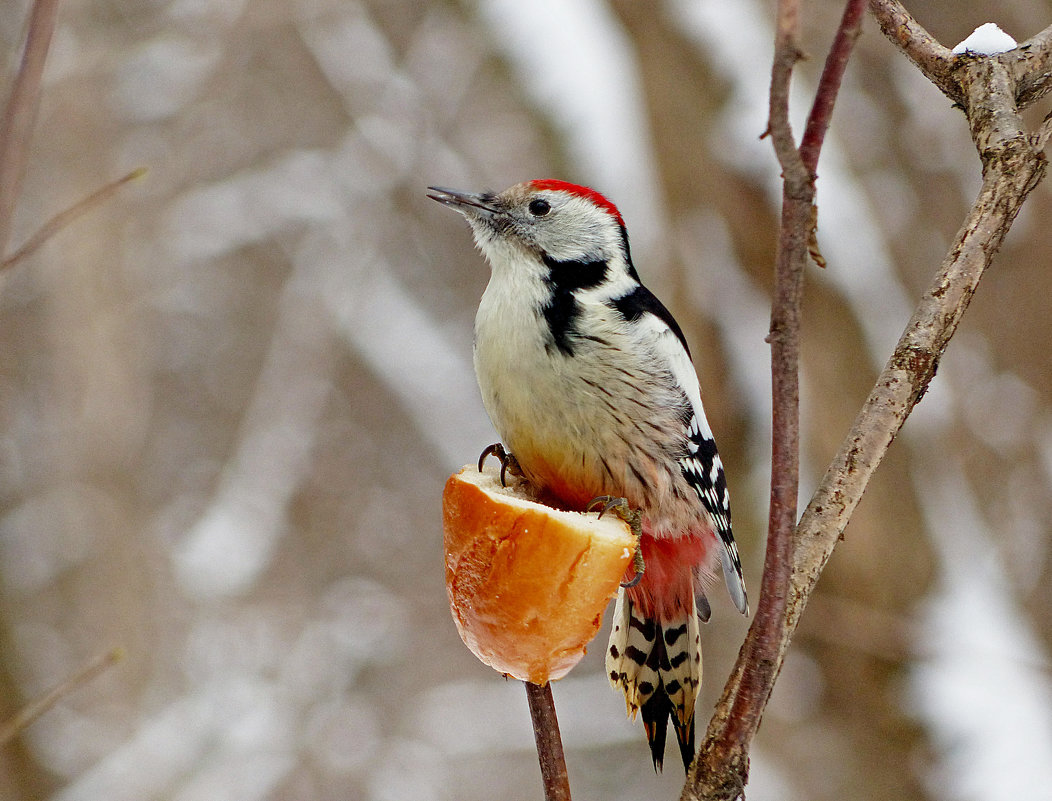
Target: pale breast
<point>605,420</point>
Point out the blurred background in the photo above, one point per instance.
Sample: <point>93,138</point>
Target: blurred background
<point>230,397</point>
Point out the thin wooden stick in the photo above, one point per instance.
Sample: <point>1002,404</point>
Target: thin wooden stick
<point>37,707</point>
<point>549,742</point>
<point>64,218</point>
<point>16,127</point>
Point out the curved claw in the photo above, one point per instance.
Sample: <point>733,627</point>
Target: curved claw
<point>608,502</point>
<point>505,458</point>
<point>634,518</point>
<point>639,565</point>
<point>635,580</point>
<point>491,450</point>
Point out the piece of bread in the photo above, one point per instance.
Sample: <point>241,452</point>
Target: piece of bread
<point>527,583</point>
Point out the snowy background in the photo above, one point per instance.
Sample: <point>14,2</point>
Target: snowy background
<point>229,398</point>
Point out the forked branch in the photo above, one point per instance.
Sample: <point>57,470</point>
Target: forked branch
<point>991,90</point>
<point>721,769</point>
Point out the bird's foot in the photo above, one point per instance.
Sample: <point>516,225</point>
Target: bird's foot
<point>508,463</point>
<point>634,518</point>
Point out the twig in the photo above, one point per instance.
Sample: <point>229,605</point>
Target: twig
<point>1012,168</point>
<point>932,59</point>
<point>990,91</point>
<point>829,84</point>
<point>19,117</point>
<point>549,742</point>
<point>34,709</point>
<point>1031,66</point>
<point>722,767</point>
<point>64,218</point>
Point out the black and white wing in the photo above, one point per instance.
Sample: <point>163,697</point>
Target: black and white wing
<point>701,465</point>
<point>704,471</point>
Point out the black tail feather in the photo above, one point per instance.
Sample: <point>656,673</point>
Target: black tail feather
<point>657,665</point>
<point>685,736</point>
<point>657,711</point>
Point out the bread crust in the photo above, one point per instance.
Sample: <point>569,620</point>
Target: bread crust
<point>527,584</point>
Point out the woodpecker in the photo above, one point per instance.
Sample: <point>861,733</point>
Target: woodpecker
<point>588,380</point>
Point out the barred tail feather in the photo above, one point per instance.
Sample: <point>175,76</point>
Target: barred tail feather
<point>657,665</point>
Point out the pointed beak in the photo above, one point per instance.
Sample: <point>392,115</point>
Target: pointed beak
<point>467,203</point>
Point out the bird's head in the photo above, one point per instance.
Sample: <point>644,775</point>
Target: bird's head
<point>543,222</point>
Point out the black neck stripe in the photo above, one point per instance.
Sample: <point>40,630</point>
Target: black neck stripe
<point>569,276</point>
<point>562,310</point>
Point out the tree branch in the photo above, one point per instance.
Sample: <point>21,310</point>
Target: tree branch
<point>988,89</point>
<point>1009,179</point>
<point>721,769</point>
<point>16,128</point>
<point>1012,167</point>
<point>1031,66</point>
<point>549,741</point>
<point>932,59</point>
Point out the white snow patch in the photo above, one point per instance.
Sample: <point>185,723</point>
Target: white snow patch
<point>986,40</point>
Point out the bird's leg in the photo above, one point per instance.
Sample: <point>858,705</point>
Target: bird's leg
<point>508,463</point>
<point>634,518</point>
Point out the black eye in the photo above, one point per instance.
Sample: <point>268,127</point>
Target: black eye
<point>538,208</point>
